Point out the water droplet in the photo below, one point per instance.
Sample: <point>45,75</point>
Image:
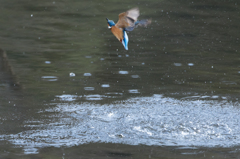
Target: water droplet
<point>133,91</point>
<point>67,97</point>
<point>177,64</point>
<point>89,88</point>
<point>72,74</point>
<point>47,62</point>
<point>123,72</point>
<point>49,78</point>
<point>94,97</point>
<point>135,76</point>
<point>215,97</point>
<point>87,74</point>
<point>190,64</point>
<point>105,85</point>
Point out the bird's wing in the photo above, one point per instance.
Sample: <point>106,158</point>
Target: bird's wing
<point>132,16</point>
<point>128,18</point>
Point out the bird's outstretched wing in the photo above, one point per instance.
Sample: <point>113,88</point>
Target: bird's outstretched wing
<point>128,18</point>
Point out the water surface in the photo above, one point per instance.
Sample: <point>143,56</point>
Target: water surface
<point>68,84</point>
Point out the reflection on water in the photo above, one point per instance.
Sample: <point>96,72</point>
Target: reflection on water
<point>71,82</point>
<point>152,120</point>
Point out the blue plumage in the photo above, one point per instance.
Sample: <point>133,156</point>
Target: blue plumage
<point>110,22</point>
<point>127,22</point>
<point>125,40</point>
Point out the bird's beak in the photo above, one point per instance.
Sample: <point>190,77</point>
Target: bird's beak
<point>109,27</point>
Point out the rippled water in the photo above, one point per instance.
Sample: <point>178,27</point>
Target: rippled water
<point>67,84</point>
<point>155,120</point>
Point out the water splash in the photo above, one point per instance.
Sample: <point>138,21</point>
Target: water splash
<point>155,120</point>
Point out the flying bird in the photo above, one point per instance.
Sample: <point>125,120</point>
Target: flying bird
<point>127,22</point>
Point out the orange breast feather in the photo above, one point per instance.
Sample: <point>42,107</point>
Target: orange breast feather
<point>117,32</point>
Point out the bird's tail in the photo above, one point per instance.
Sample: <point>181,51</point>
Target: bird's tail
<point>142,23</point>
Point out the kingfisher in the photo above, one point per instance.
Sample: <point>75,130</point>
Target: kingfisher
<point>127,22</point>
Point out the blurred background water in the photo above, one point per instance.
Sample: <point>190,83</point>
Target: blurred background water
<point>67,84</point>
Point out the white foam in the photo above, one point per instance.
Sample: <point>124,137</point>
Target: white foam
<point>155,120</point>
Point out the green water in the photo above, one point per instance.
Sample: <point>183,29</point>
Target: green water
<point>190,49</point>
<point>193,48</point>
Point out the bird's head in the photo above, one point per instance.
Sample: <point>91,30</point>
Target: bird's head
<point>110,23</point>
